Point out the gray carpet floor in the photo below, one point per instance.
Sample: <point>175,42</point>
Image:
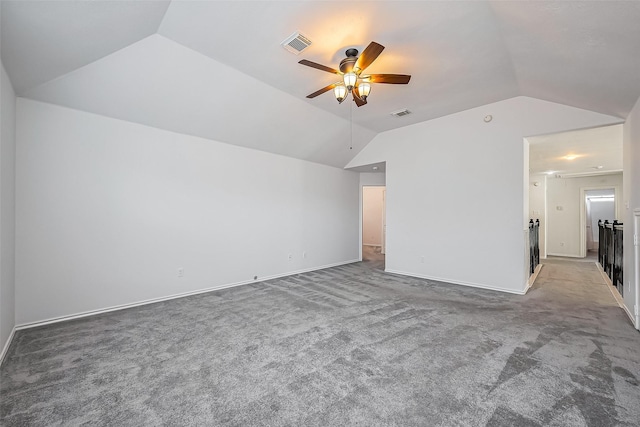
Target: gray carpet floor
<point>349,345</point>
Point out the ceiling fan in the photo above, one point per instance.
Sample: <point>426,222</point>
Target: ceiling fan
<point>353,80</point>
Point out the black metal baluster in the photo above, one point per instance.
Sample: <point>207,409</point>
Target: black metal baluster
<point>617,280</point>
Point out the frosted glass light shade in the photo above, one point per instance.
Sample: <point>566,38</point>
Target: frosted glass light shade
<point>350,80</point>
<point>340,92</point>
<point>364,89</point>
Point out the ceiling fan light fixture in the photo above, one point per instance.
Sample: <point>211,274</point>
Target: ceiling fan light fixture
<point>364,89</point>
<point>350,80</point>
<point>350,70</point>
<point>340,92</point>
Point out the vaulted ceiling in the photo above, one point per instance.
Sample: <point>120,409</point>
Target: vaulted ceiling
<point>216,69</point>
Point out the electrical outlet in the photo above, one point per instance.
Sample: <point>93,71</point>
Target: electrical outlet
<point>181,272</point>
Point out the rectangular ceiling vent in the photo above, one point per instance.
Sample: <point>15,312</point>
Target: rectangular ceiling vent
<point>296,43</point>
<point>401,113</point>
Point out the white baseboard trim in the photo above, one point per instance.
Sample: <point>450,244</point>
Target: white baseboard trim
<point>532,278</point>
<point>565,255</point>
<point>170,297</point>
<point>457,282</point>
<point>6,345</point>
<point>616,294</point>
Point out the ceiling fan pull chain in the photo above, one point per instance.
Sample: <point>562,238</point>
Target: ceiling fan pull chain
<point>351,120</point>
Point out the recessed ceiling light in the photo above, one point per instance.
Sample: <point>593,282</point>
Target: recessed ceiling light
<point>375,168</point>
<point>550,172</point>
<point>598,167</point>
<point>488,118</point>
<point>570,157</point>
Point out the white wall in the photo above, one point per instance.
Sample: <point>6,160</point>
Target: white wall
<point>538,207</point>
<point>107,211</point>
<point>564,210</point>
<point>631,191</point>
<point>371,178</point>
<point>455,190</point>
<point>7,209</point>
<point>372,212</point>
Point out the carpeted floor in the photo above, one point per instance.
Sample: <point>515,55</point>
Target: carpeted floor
<point>373,257</point>
<point>349,345</point>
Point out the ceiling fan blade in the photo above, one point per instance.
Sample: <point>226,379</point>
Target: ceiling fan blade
<point>318,66</point>
<point>359,101</point>
<point>395,79</point>
<point>369,55</point>
<point>323,90</point>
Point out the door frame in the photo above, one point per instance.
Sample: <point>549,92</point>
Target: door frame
<point>636,261</point>
<point>384,216</point>
<point>583,211</point>
<point>383,238</point>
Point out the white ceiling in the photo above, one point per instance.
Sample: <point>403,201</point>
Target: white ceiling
<point>42,40</point>
<point>216,68</point>
<point>592,148</point>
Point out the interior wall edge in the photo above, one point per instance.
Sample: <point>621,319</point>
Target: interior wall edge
<point>616,295</point>
<point>460,283</point>
<point>7,344</point>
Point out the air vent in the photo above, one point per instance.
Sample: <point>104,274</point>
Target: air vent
<point>401,113</point>
<point>296,43</point>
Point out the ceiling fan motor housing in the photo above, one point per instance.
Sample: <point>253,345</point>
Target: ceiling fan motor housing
<point>346,65</point>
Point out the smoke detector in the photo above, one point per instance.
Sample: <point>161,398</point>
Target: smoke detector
<point>296,43</point>
<point>401,113</point>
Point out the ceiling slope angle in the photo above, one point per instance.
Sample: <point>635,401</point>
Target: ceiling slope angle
<point>160,83</point>
<point>452,50</point>
<point>460,55</point>
<point>582,54</point>
<point>42,40</point>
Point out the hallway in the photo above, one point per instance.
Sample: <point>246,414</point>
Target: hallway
<point>585,333</point>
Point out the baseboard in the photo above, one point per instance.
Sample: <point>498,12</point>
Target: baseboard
<point>565,255</point>
<point>456,282</point>
<point>532,278</point>
<point>170,297</point>
<point>616,294</point>
<point>7,345</point>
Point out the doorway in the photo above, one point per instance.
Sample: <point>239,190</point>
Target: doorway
<point>374,224</point>
<point>598,203</point>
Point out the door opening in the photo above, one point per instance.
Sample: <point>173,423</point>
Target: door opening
<point>597,204</point>
<point>373,224</point>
